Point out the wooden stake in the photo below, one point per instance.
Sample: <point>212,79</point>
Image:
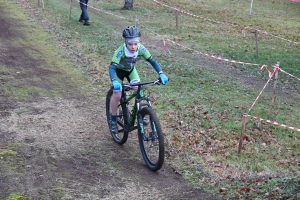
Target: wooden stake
<point>242,133</point>
<point>40,3</point>
<point>136,21</point>
<point>256,38</point>
<point>274,91</point>
<point>70,10</point>
<point>251,8</point>
<point>176,17</point>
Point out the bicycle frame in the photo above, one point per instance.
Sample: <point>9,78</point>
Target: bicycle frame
<point>139,97</point>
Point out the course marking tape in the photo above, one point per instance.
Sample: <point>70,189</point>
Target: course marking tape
<point>276,68</point>
<point>201,53</point>
<point>265,33</point>
<point>215,56</point>
<point>295,77</point>
<point>273,122</point>
<point>271,73</point>
<point>101,10</point>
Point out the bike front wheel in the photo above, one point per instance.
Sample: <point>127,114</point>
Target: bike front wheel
<point>122,120</point>
<point>151,139</point>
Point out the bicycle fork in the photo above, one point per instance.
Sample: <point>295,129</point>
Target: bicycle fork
<point>153,134</point>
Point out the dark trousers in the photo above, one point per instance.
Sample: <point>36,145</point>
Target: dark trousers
<point>84,14</point>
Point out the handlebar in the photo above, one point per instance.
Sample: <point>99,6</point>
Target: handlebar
<point>127,87</point>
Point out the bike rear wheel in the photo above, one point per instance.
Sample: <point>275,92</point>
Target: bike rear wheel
<point>122,120</point>
<point>151,139</point>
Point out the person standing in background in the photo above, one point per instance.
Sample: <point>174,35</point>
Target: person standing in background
<point>84,17</point>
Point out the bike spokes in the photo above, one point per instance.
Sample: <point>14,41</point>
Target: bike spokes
<point>151,140</point>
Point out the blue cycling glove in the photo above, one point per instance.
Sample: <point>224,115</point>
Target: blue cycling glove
<point>117,86</point>
<point>164,79</point>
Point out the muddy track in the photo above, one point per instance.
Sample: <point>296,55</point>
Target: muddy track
<point>54,141</point>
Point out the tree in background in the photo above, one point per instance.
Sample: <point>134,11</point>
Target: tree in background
<point>128,4</point>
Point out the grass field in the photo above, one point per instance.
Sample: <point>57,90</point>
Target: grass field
<point>201,107</point>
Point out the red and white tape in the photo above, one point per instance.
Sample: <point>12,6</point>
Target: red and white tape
<point>225,23</point>
<point>276,68</point>
<point>265,33</point>
<point>271,73</point>
<point>166,39</point>
<point>101,10</point>
<point>295,77</point>
<point>193,15</point>
<point>213,56</point>
<point>201,53</point>
<point>273,122</point>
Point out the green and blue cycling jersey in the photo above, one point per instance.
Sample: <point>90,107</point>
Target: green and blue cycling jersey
<point>122,62</point>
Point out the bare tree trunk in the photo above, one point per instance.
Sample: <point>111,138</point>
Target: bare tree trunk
<point>128,4</point>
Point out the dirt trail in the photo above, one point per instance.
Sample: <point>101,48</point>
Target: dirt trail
<point>54,141</point>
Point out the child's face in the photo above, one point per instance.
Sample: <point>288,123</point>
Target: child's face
<point>132,46</point>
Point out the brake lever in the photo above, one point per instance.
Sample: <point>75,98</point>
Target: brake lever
<point>158,82</point>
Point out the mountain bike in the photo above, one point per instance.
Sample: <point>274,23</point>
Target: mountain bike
<point>142,117</point>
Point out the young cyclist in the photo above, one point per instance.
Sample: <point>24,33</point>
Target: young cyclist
<point>123,66</point>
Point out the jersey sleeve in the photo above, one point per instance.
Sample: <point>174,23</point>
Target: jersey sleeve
<point>143,51</point>
<point>118,55</point>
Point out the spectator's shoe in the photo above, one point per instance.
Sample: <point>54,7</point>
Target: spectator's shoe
<point>113,127</point>
<point>87,23</point>
<point>80,20</point>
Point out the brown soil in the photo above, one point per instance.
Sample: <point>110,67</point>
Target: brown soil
<point>58,126</point>
<point>58,130</point>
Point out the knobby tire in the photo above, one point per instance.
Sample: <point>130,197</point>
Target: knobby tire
<point>122,117</point>
<point>153,150</point>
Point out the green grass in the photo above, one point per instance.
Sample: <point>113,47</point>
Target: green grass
<point>201,108</point>
<point>7,153</point>
<point>16,196</point>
